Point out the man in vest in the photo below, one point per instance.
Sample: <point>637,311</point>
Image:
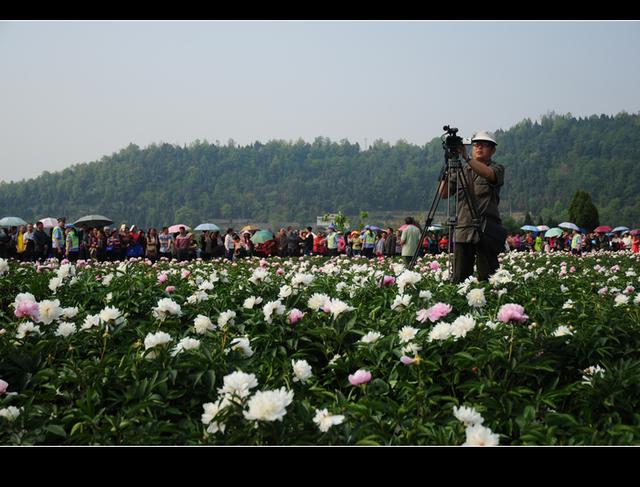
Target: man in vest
<point>73,244</point>
<point>332,242</point>
<point>368,242</point>
<point>58,239</point>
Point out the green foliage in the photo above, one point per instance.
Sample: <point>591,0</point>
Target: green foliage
<point>546,161</point>
<point>582,211</point>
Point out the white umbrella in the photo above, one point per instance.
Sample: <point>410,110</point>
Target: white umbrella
<point>569,225</point>
<point>542,228</point>
<point>49,222</point>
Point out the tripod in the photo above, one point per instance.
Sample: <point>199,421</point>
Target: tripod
<point>455,179</point>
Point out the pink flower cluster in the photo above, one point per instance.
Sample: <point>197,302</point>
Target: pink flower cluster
<point>437,311</point>
<point>512,312</point>
<point>295,315</point>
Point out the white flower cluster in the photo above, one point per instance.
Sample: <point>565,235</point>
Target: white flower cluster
<point>165,308</point>
<point>477,435</point>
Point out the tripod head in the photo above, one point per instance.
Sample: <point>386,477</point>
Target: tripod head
<point>451,142</point>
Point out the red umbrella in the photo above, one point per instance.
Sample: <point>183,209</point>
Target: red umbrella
<point>635,232</point>
<point>602,229</point>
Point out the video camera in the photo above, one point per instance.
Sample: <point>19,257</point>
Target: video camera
<point>451,142</point>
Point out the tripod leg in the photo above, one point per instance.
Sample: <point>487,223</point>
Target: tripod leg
<point>427,224</point>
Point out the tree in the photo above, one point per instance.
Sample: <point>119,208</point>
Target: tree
<point>527,219</point>
<point>582,211</point>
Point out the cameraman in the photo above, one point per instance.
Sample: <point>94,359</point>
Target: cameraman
<point>485,178</point>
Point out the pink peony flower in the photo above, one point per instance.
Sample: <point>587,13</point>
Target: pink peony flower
<point>407,360</point>
<point>433,265</point>
<point>512,312</point>
<point>295,315</point>
<point>573,269</point>
<point>27,308</point>
<point>184,274</point>
<point>64,261</point>
<point>360,377</point>
<point>162,278</point>
<point>170,289</point>
<point>3,386</point>
<point>263,263</point>
<point>438,310</point>
<point>422,315</point>
<point>388,281</point>
<point>280,271</point>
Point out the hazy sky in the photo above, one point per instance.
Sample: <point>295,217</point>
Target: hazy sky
<point>75,91</point>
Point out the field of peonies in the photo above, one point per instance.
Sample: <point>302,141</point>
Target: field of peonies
<point>312,351</point>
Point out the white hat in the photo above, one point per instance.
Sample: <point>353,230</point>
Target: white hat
<point>484,135</point>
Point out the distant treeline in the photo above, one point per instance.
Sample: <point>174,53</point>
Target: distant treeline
<point>280,181</point>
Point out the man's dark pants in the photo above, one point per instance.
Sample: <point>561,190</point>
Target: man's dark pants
<point>466,254</point>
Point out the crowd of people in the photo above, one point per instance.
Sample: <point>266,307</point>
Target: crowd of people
<point>31,243</point>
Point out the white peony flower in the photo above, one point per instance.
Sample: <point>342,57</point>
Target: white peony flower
<point>166,307</point>
<point>301,370</point>
<point>65,329</point>
<point>55,283</point>
<point>156,339</point>
<point>317,301</point>
<point>249,303</point>
<point>401,300</point>
<point>25,328</point>
<point>285,291</point>
<point>49,311</point>
<point>186,343</point>
<point>479,435</point>
<point>11,413</point>
<point>468,416</point>
<point>324,420</point>
<point>441,331</point>
<point>407,333</point>
<point>425,295</point>
<point>621,299</point>
<point>243,345</point>
<point>476,298</point>
<point>90,321</point>
<point>272,307</point>
<point>211,410</point>
<point>202,323</point>
<point>371,337</point>
<point>226,318</point>
<point>562,330</point>
<point>237,386</point>
<point>268,405</point>
<point>111,314</point>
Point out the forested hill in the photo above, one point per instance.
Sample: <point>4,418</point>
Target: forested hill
<point>282,181</point>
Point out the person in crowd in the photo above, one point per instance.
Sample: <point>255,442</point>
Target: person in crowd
<point>41,242</point>
<point>390,243</point>
<point>319,244</point>
<point>378,248</point>
<point>58,242</point>
<point>307,243</point>
<point>229,246</point>
<point>356,243</point>
<point>166,244</point>
<point>183,244</point>
<point>124,241</point>
<point>368,242</point>
<point>410,239</point>
<point>153,244</point>
<point>576,243</point>
<point>21,246</point>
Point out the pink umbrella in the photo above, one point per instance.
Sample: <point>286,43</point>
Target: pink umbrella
<point>402,227</point>
<point>49,222</point>
<point>635,232</point>
<point>176,228</point>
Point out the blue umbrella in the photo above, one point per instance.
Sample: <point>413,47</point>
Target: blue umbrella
<point>211,227</point>
<point>620,229</point>
<point>553,232</point>
<point>569,225</point>
<point>529,228</point>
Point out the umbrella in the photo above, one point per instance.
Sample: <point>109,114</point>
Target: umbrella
<point>12,221</point>
<point>569,225</point>
<point>602,229</point>
<point>434,228</point>
<point>248,228</point>
<point>617,229</point>
<point>94,221</point>
<point>374,228</point>
<point>212,227</point>
<point>542,228</point>
<point>49,222</point>
<point>635,232</point>
<point>176,228</point>
<point>529,228</point>
<point>262,236</point>
<point>554,232</point>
